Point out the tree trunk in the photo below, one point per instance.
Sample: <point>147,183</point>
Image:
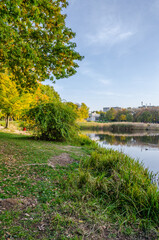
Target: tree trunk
<point>7,121</point>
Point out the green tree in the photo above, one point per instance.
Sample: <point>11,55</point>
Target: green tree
<point>155,116</point>
<point>144,116</point>
<point>124,115</point>
<point>73,106</point>
<point>50,92</point>
<point>35,43</point>
<point>103,117</point>
<point>82,110</point>
<point>129,116</point>
<point>111,114</point>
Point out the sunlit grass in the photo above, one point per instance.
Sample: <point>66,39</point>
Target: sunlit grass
<point>101,194</point>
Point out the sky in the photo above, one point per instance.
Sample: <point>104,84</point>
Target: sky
<point>119,40</point>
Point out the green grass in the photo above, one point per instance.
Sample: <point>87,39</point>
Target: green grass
<point>13,125</point>
<point>102,195</point>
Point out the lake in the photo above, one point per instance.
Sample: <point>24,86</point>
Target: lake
<point>143,146</point>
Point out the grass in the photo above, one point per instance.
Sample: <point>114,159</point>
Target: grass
<point>103,194</point>
<point>13,125</point>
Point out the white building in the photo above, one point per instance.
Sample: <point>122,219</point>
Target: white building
<point>93,117</point>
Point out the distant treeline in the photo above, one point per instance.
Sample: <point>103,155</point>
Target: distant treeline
<point>146,115</point>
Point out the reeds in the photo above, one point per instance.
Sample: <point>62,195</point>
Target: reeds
<point>118,126</point>
<point>122,182</point>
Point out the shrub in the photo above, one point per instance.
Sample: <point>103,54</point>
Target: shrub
<point>53,121</point>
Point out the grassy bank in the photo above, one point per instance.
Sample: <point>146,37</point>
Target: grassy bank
<point>119,126</point>
<point>59,191</point>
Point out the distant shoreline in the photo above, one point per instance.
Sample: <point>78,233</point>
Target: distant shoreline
<point>119,126</point>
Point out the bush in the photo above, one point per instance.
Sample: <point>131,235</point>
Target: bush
<point>53,121</point>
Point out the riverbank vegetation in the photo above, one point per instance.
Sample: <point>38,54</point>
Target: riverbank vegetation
<point>144,114</point>
<point>118,126</point>
<point>51,190</point>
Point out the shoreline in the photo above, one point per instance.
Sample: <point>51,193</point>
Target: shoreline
<point>119,126</point>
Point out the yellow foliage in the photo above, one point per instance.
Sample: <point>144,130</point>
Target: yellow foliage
<point>123,117</point>
<point>9,95</point>
<point>12,103</point>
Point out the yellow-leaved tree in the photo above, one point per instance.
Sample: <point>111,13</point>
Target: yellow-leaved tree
<point>9,97</point>
<point>82,110</point>
<point>13,103</point>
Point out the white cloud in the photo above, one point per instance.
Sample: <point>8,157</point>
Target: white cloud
<point>86,70</point>
<point>104,81</point>
<point>109,35</point>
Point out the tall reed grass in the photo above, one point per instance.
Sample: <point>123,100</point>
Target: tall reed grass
<point>122,182</point>
<point>118,126</point>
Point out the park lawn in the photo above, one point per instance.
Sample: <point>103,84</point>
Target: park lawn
<point>43,201</point>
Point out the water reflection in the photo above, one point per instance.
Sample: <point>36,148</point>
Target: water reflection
<point>144,147</point>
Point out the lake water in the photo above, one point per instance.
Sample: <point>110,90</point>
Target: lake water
<point>143,146</point>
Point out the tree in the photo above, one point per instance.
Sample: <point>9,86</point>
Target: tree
<point>1,114</point>
<point>111,114</point>
<point>73,106</point>
<point>50,92</point>
<point>35,43</point>
<point>145,117</point>
<point>83,112</point>
<point>122,117</point>
<point>12,103</point>
<point>9,97</point>
<point>155,116</point>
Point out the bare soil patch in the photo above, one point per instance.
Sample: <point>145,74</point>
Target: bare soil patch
<point>63,160</point>
<point>14,203</point>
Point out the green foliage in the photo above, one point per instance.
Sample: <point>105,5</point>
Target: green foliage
<point>84,140</point>
<point>111,114</point>
<point>35,43</point>
<point>50,92</point>
<point>124,115</point>
<point>150,115</point>
<point>120,180</point>
<point>82,110</point>
<point>116,115</point>
<point>1,114</point>
<point>144,116</point>
<point>53,121</point>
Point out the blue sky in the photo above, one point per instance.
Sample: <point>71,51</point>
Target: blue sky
<point>120,42</point>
